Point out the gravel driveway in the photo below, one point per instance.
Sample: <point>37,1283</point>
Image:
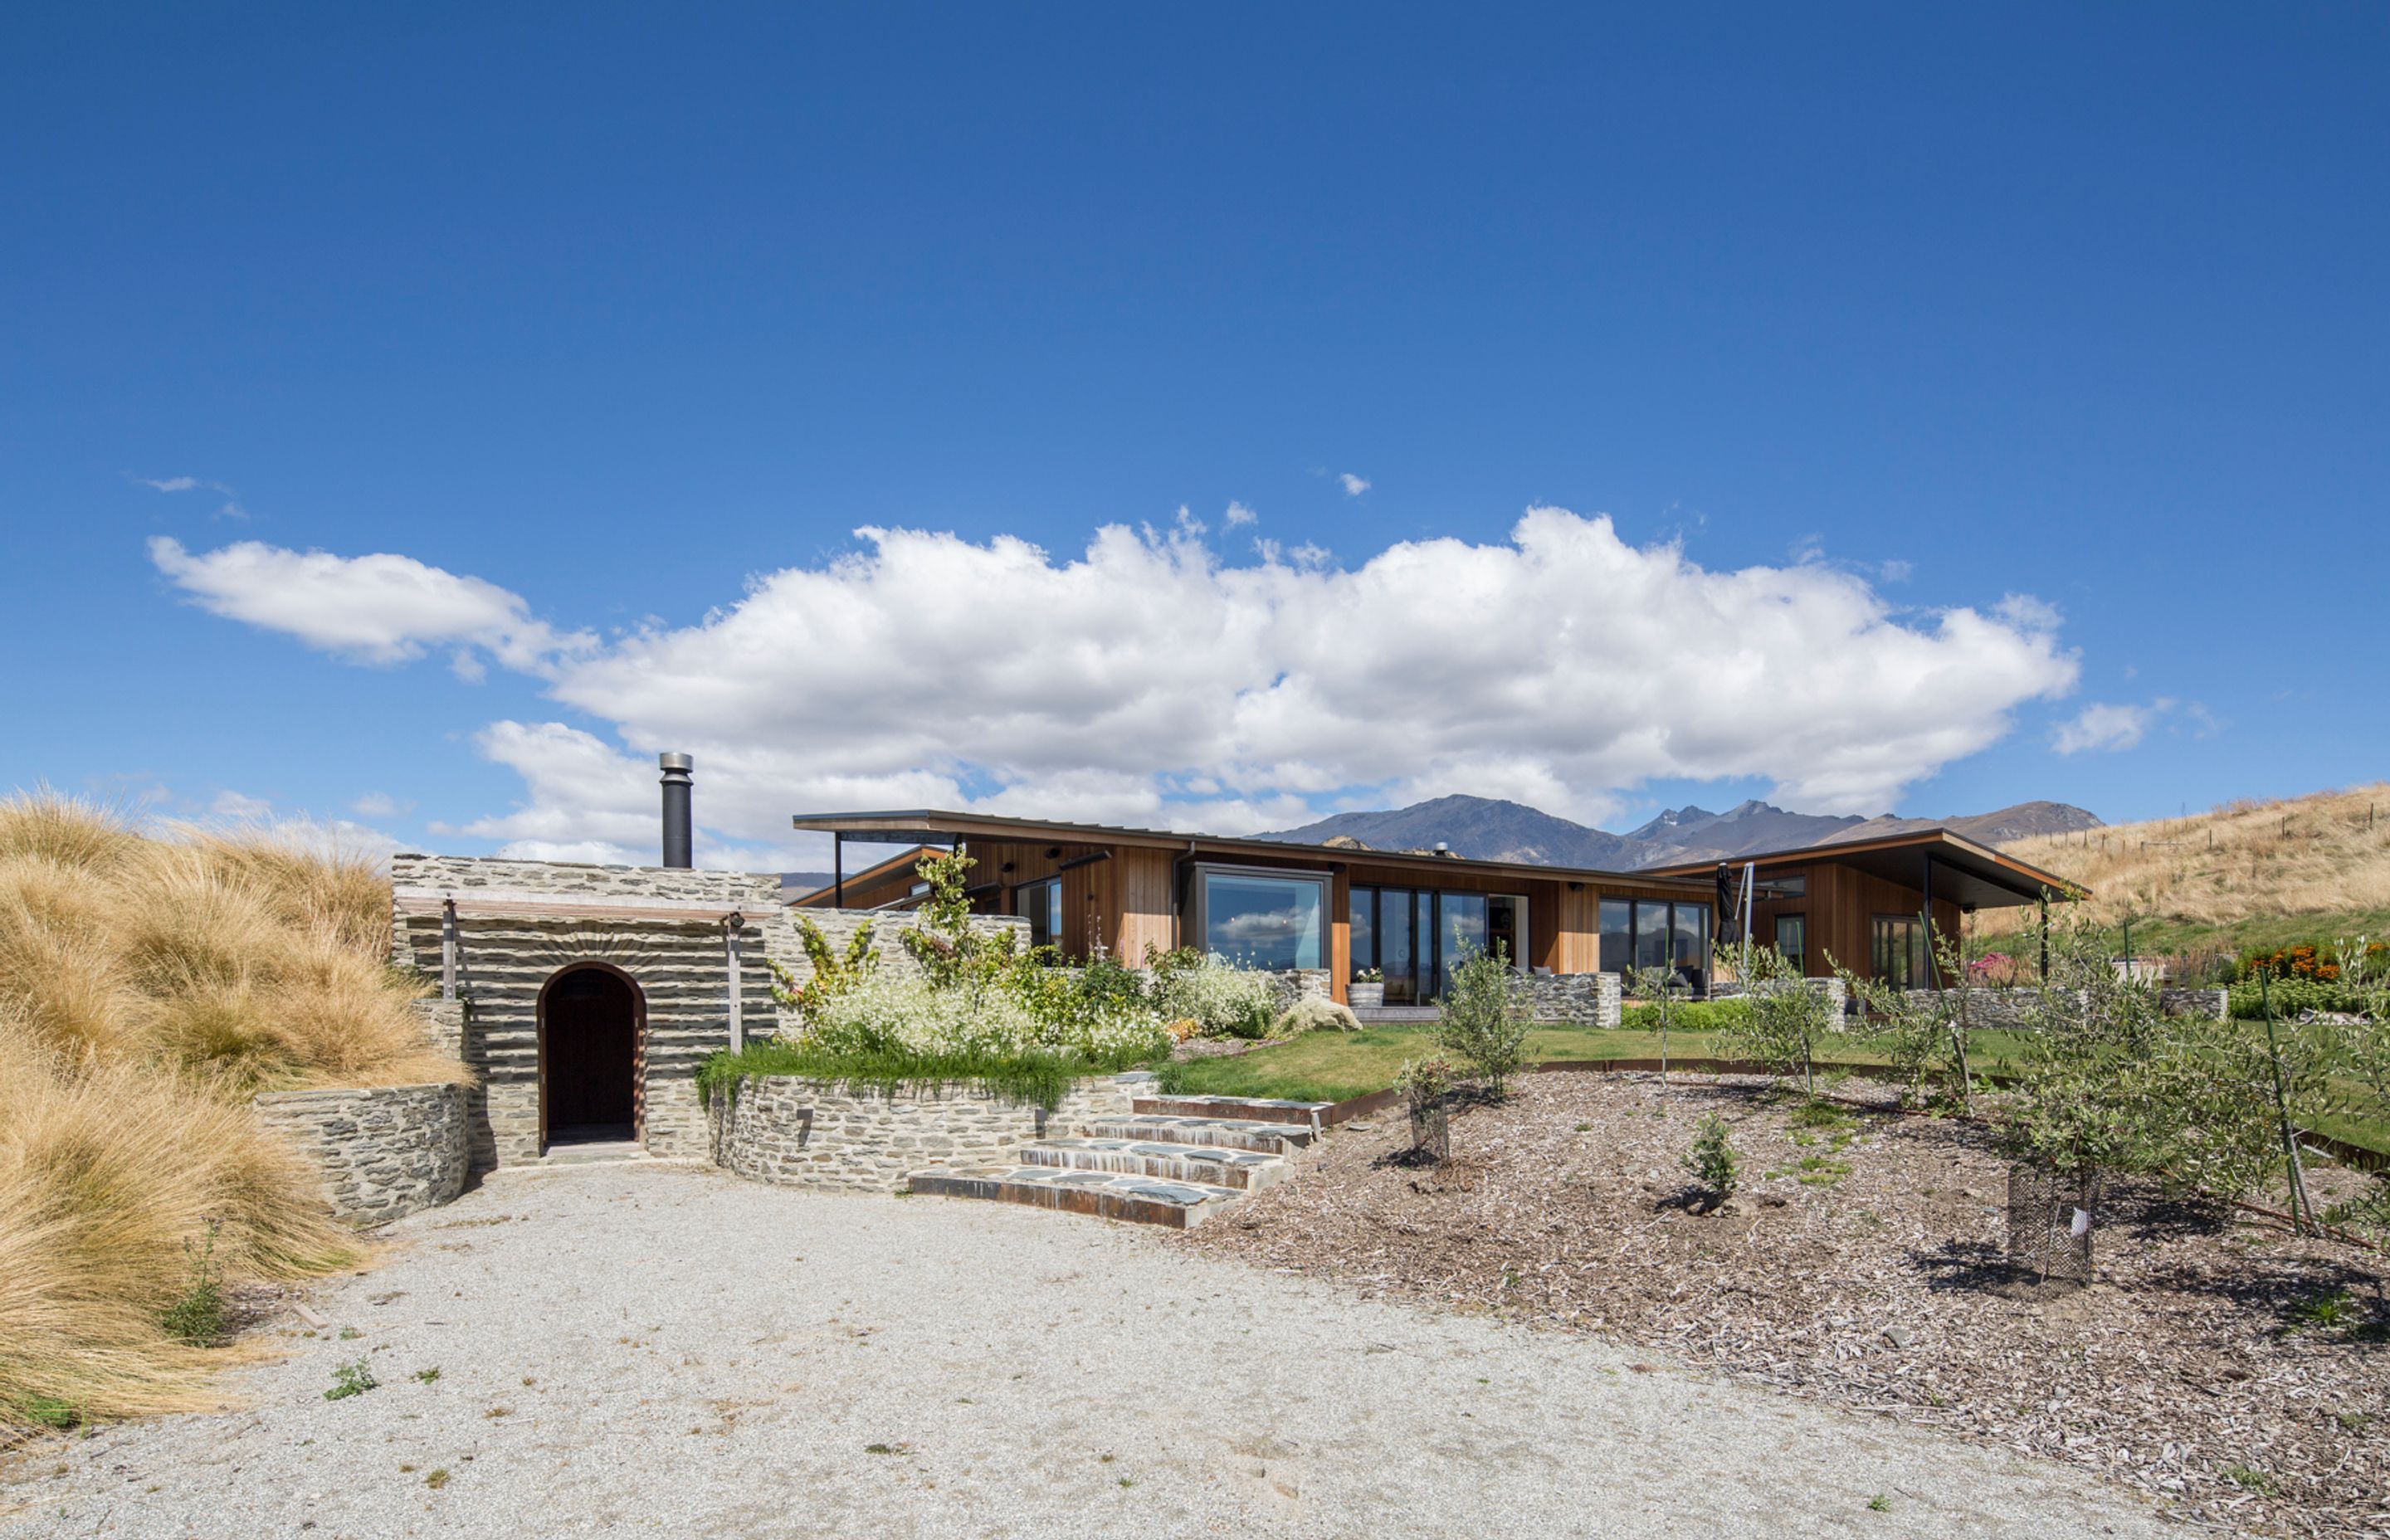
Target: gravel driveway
<point>647,1349</point>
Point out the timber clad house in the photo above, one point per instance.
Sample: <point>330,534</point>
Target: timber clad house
<point>584,998</point>
<point>1861,905</point>
<point>1342,910</point>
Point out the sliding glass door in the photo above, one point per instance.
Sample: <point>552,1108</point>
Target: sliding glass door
<point>1415,937</point>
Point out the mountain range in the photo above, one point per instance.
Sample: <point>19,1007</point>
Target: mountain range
<point>1483,829</point>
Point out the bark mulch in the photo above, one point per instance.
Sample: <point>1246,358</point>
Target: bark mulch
<point>2239,1374</point>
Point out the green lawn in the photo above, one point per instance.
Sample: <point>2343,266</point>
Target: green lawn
<point>1333,1066</point>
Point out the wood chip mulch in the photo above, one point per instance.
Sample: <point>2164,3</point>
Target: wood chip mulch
<point>2193,1369</point>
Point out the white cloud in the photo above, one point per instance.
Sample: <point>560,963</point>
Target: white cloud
<point>2027,613</point>
<point>1164,687</point>
<point>2106,728</point>
<point>377,804</point>
<point>1354,485</point>
<point>231,507</point>
<point>1238,514</point>
<point>239,807</point>
<point>1895,570</point>
<point>372,609</point>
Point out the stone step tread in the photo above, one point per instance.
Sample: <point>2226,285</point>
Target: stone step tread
<point>1219,1165</point>
<point>1305,1114</point>
<point>1111,1195</point>
<point>1235,1133</point>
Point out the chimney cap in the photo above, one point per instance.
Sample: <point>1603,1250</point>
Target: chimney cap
<point>673,762</point>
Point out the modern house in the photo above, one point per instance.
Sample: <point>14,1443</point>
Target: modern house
<point>1335,909</point>
<point>1862,903</point>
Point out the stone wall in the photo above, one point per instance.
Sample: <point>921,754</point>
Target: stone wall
<point>681,968</point>
<point>1581,999</point>
<point>792,1131</point>
<point>1835,990</point>
<point>384,1153</point>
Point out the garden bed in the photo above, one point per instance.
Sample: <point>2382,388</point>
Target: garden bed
<point>2219,1363</point>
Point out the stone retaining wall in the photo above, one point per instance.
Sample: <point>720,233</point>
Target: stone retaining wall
<point>384,1153</point>
<point>799,1132</point>
<point>1581,999</point>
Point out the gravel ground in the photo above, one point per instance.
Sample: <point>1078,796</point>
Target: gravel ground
<point>657,1350</point>
<point>1862,1262</point>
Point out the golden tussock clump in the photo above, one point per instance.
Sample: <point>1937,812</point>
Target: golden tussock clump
<point>148,987</point>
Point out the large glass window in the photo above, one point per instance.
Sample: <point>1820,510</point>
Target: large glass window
<point>1041,905</point>
<point>1259,921</point>
<point>1464,932</point>
<point>1650,933</point>
<point>1617,935</point>
<point>1395,954</point>
<point>1899,951</point>
<point>1691,925</point>
<point>1505,928</point>
<point>1792,939</point>
<point>1362,917</point>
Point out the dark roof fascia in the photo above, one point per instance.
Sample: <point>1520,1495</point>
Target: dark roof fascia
<point>2059,887</point>
<point>914,824</point>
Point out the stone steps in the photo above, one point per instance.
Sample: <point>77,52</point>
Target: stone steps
<point>1312,1115</point>
<point>1274,1139</point>
<point>1211,1165</point>
<point>1110,1195</point>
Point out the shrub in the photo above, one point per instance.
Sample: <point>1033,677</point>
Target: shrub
<point>1712,1161</point>
<point>833,973</point>
<point>197,1316</point>
<point>1686,1015</point>
<point>1786,1020</point>
<point>1314,1013</point>
<point>1483,1021</point>
<point>1230,1001</point>
<point>354,1377</point>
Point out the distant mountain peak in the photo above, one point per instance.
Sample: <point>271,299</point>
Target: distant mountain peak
<point>1488,828</point>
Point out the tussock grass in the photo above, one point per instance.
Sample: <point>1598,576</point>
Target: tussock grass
<point>2242,870</point>
<point>148,987</point>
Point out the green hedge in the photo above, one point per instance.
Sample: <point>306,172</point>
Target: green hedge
<point>2291,996</point>
<point>1686,1015</point>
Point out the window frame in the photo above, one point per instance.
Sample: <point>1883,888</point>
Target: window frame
<point>1200,905</point>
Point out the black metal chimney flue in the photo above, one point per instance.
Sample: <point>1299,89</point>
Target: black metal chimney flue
<point>675,784</point>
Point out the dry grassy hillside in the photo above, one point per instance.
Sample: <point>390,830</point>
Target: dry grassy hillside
<point>148,988</point>
<point>2247,873</point>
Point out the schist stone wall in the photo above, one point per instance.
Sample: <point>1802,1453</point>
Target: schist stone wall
<point>1584,999</point>
<point>680,967</point>
<point>799,1132</point>
<point>384,1153</point>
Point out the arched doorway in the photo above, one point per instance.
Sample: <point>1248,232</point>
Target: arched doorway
<point>592,1042</point>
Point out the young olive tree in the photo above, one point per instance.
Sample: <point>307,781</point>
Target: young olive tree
<point>1661,985</point>
<point>1788,1021</point>
<point>1484,1021</point>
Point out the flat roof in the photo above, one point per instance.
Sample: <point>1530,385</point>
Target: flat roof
<point>930,826</point>
<point>1963,869</point>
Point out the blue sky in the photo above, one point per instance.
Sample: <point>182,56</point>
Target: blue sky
<point>607,328</point>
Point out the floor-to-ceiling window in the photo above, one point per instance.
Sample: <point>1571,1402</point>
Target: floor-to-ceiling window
<point>1041,905</point>
<point>1617,935</point>
<point>1415,937</point>
<point>1651,932</point>
<point>1899,951</point>
<point>1262,919</point>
